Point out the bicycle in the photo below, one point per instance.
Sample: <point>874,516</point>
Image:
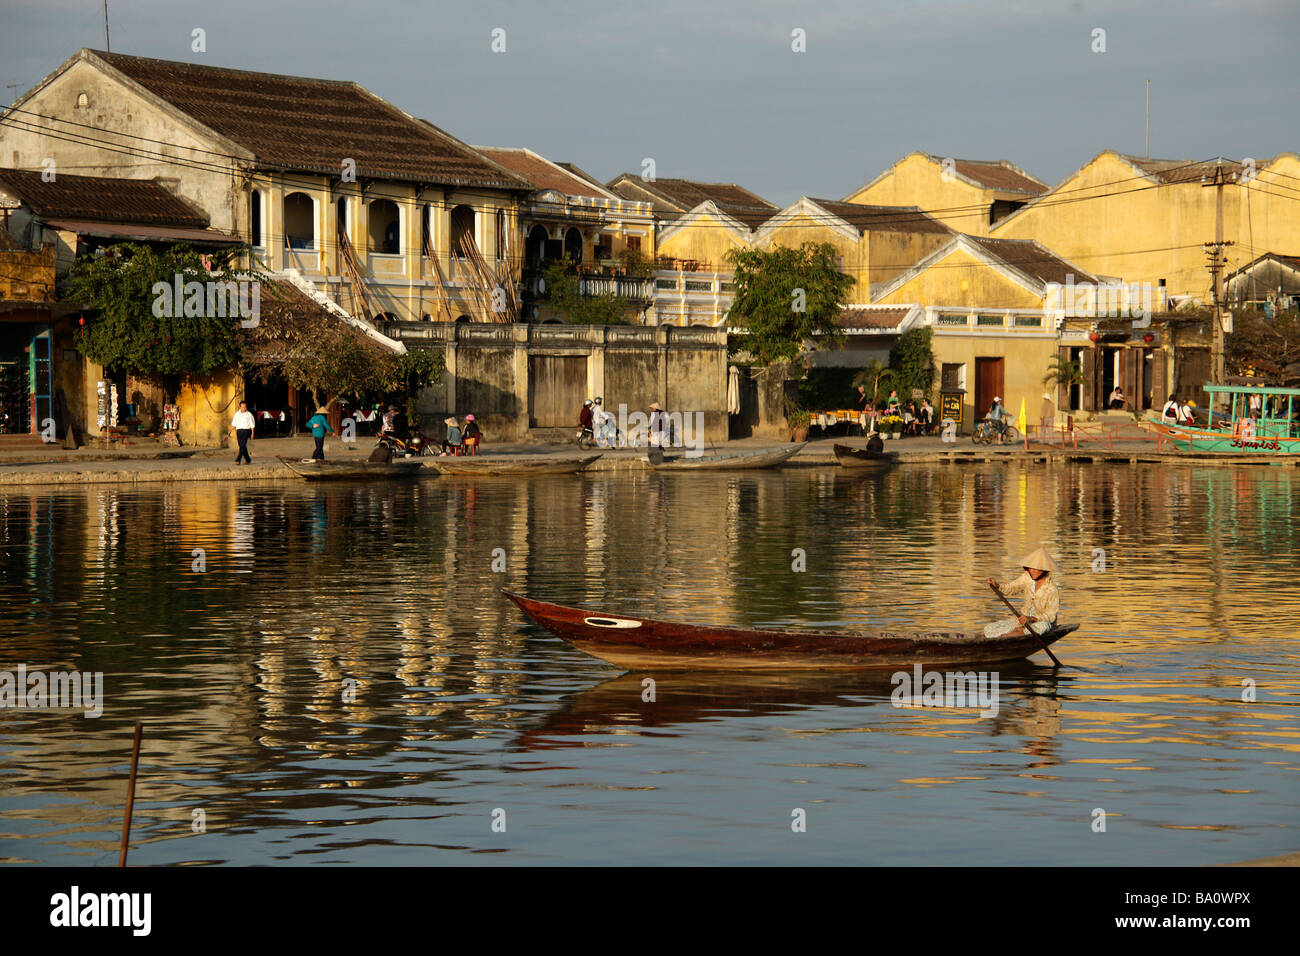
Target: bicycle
<point>987,431</point>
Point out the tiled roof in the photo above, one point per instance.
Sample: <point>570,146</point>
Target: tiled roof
<point>295,123</point>
<point>998,174</point>
<point>872,318</point>
<point>883,218</point>
<point>581,173</point>
<point>1032,258</point>
<point>100,199</point>
<point>541,173</point>
<point>1184,170</point>
<point>674,197</point>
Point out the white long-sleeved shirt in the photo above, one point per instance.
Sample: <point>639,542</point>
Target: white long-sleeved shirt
<point>1043,602</point>
<point>243,420</point>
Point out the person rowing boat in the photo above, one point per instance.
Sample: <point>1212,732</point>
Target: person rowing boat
<point>1042,601</point>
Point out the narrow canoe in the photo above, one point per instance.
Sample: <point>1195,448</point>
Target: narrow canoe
<point>509,465</point>
<point>859,459</point>
<point>640,642</point>
<point>317,470</point>
<point>727,460</point>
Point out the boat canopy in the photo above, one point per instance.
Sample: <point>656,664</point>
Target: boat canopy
<point>1274,418</point>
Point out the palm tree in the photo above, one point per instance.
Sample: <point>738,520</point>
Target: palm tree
<point>878,377</point>
<point>1063,372</point>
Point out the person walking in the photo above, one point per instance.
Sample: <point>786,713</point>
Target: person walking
<point>242,425</point>
<point>658,437</point>
<point>319,425</point>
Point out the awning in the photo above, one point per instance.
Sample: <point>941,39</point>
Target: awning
<point>126,230</point>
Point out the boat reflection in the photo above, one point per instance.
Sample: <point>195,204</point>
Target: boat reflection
<point>639,701</point>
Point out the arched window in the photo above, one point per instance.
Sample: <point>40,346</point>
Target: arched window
<point>299,221</point>
<point>342,215</point>
<point>535,248</point>
<point>462,229</point>
<point>462,318</point>
<point>255,218</point>
<point>384,227</point>
<point>501,233</point>
<point>573,245</point>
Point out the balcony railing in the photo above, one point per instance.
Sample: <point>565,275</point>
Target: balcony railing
<point>597,281</point>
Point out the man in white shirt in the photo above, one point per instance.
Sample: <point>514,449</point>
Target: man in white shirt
<point>242,425</point>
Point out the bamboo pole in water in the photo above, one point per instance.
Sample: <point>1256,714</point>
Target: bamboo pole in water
<point>130,794</point>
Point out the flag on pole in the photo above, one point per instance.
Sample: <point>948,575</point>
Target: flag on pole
<point>1021,422</point>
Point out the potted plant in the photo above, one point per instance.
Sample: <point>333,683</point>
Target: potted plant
<point>891,426</point>
<point>800,421</point>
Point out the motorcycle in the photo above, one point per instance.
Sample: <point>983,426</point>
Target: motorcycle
<point>585,439</point>
<point>413,445</point>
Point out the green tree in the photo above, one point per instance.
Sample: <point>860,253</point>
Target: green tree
<point>117,288</point>
<point>912,362</point>
<point>785,296</point>
<point>326,355</point>
<point>564,291</point>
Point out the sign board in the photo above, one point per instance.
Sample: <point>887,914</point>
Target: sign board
<point>917,394</point>
<point>950,406</point>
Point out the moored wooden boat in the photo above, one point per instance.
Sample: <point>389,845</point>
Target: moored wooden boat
<point>313,469</point>
<point>509,464</point>
<point>1261,420</point>
<point>640,642</point>
<point>725,461</point>
<point>859,459</point>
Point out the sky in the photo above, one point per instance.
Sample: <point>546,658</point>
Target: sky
<point>714,89</point>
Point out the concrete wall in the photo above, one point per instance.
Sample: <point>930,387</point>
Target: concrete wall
<point>487,371</point>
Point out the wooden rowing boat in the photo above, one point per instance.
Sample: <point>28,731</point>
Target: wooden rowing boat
<point>509,465</point>
<point>313,469</point>
<point>640,642</point>
<point>859,459</point>
<point>726,461</point>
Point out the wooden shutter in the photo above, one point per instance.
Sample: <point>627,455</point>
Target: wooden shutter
<point>1089,380</point>
<point>1159,393</point>
<point>1063,391</point>
<point>1130,370</point>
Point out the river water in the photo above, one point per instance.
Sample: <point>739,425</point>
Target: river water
<point>330,674</point>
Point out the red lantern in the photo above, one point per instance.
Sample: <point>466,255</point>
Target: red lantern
<point>81,321</point>
<point>1148,337</point>
<point>1095,336</point>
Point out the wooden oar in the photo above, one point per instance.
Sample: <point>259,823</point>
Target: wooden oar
<point>130,794</point>
<point>1028,630</point>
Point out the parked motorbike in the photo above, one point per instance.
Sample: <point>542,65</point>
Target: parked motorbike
<point>585,439</point>
<point>414,444</point>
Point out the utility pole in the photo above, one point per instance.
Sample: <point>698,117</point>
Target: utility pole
<point>1148,116</point>
<point>1217,259</point>
<point>107,48</point>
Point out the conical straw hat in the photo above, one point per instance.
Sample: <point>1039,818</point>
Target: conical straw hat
<point>1040,560</point>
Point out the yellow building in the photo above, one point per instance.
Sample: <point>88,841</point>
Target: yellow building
<point>994,307</point>
<point>697,224</point>
<point>967,195</point>
<point>875,243</point>
<point>377,208</point>
<point>1145,220</point>
<point>570,216</point>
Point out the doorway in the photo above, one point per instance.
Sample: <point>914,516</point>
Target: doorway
<point>557,384</point>
<point>989,377</point>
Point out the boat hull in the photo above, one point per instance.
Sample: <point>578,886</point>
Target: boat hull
<point>482,466</point>
<point>1217,442</point>
<point>317,470</point>
<point>639,642</point>
<point>728,462</point>
<point>859,459</point>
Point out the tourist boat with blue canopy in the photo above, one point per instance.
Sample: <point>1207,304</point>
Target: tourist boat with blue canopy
<point>1270,428</point>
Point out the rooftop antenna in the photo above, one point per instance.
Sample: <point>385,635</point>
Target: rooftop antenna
<point>107,47</point>
<point>1148,114</point>
<point>13,89</point>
